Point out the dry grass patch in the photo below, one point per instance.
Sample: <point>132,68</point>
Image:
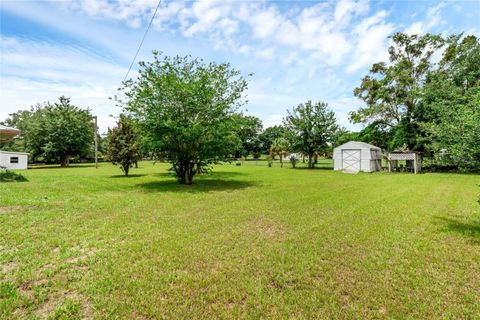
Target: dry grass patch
<point>84,255</point>
<point>265,228</point>
<point>65,305</point>
<point>8,267</point>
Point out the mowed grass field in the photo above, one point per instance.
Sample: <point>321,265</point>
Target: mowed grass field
<point>243,242</point>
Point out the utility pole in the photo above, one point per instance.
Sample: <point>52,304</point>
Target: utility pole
<point>96,143</point>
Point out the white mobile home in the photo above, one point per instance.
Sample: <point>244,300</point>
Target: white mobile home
<point>357,156</point>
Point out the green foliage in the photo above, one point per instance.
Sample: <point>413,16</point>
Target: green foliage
<point>123,144</point>
<point>452,107</point>
<point>342,136</point>
<point>185,108</point>
<point>269,135</point>
<point>392,92</point>
<point>433,108</point>
<point>55,131</point>
<point>269,161</point>
<point>280,147</point>
<point>247,129</point>
<point>311,128</point>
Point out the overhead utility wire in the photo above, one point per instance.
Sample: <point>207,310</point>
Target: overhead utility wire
<point>143,39</point>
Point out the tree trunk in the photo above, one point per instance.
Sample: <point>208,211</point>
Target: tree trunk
<point>186,171</point>
<point>310,161</point>
<point>281,161</point>
<point>136,164</point>
<point>64,161</point>
<point>126,168</point>
<point>189,172</point>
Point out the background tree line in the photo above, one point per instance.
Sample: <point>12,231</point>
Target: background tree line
<point>187,111</point>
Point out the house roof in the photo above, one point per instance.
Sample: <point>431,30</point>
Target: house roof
<point>7,133</point>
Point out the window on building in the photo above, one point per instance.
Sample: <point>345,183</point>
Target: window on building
<point>13,159</point>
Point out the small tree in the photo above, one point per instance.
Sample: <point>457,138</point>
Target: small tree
<point>123,144</point>
<point>293,160</point>
<point>279,147</point>
<point>311,126</point>
<point>185,108</point>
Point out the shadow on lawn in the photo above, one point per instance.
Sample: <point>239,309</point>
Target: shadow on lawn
<point>199,185</point>
<point>10,176</point>
<point>129,176</point>
<point>469,229</point>
<point>213,174</point>
<point>57,166</point>
<point>315,168</point>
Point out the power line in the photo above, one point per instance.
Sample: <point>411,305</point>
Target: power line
<point>143,39</point>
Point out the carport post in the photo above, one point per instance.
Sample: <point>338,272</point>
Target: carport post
<point>96,144</point>
<point>415,164</point>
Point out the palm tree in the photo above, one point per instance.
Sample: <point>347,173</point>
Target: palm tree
<point>279,147</point>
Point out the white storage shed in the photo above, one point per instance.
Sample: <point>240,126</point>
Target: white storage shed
<point>13,160</point>
<point>357,156</point>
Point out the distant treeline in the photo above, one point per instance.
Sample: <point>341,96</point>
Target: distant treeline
<point>410,102</point>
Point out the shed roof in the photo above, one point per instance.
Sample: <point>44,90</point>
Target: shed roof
<point>357,144</point>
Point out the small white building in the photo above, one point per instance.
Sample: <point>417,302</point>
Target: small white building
<point>9,159</point>
<point>357,156</point>
<point>13,160</point>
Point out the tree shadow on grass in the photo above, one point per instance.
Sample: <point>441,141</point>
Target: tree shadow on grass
<point>10,176</point>
<point>469,229</point>
<point>213,174</point>
<point>57,166</point>
<point>129,176</point>
<point>199,185</point>
<point>315,168</point>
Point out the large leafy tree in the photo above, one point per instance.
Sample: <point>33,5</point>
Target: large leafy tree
<point>312,127</point>
<point>248,129</point>
<point>185,108</point>
<point>392,91</point>
<point>55,131</point>
<point>269,135</point>
<point>451,104</point>
<point>123,144</point>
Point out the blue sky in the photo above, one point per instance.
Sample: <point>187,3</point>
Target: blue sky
<point>297,50</point>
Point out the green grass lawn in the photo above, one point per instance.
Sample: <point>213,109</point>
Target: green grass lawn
<point>243,242</point>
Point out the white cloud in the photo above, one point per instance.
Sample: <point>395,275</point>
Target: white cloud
<point>371,41</point>
<point>433,19</point>
<point>34,72</point>
<point>264,22</point>
<point>267,53</point>
<point>326,31</point>
<point>345,9</point>
<point>129,11</point>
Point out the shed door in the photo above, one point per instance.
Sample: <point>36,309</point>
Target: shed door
<point>351,160</point>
